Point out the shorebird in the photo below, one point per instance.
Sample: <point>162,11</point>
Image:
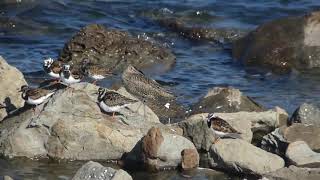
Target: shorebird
<point>111,101</point>
<point>70,75</point>
<point>140,85</point>
<point>221,128</point>
<point>52,68</point>
<point>94,72</point>
<point>35,96</point>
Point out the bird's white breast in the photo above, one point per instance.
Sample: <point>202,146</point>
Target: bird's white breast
<point>107,108</point>
<point>97,77</point>
<point>70,80</point>
<point>39,100</point>
<point>55,75</point>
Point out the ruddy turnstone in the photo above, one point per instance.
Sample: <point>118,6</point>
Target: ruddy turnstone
<point>111,101</point>
<point>52,68</point>
<point>94,72</point>
<point>140,85</point>
<point>70,75</point>
<point>221,128</point>
<point>35,96</point>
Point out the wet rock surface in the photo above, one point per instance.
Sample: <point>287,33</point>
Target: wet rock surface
<point>199,32</point>
<point>93,170</point>
<point>239,156</point>
<point>294,173</point>
<point>11,79</point>
<point>282,45</point>
<point>225,99</point>
<point>114,49</point>
<point>299,154</point>
<point>306,114</point>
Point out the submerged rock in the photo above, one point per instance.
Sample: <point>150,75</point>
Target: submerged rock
<point>294,173</point>
<point>93,170</point>
<point>11,79</point>
<point>201,33</point>
<point>299,154</point>
<point>225,99</point>
<point>114,49</point>
<point>283,44</point>
<point>306,114</point>
<point>71,126</point>
<point>238,156</point>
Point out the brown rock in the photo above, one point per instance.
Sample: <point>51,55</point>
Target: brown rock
<point>306,133</point>
<point>114,49</point>
<point>151,143</point>
<point>190,159</point>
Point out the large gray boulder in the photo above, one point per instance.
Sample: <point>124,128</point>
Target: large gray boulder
<point>114,49</point>
<point>93,170</point>
<point>11,79</point>
<point>225,99</point>
<point>306,114</point>
<point>71,126</point>
<point>294,173</point>
<point>239,156</point>
<point>283,44</point>
<point>300,154</point>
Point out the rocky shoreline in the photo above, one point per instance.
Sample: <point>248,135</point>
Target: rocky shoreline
<point>71,126</point>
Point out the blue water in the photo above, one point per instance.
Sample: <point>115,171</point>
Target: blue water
<point>37,29</point>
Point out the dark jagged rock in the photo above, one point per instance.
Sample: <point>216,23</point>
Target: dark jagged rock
<point>283,44</point>
<point>114,49</point>
<point>306,114</point>
<point>201,33</point>
<point>160,100</point>
<point>221,99</point>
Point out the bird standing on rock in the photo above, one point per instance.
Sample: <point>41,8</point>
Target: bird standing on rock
<point>71,75</point>
<point>52,68</point>
<point>140,85</point>
<point>35,96</point>
<point>111,101</point>
<point>94,72</point>
<point>221,128</point>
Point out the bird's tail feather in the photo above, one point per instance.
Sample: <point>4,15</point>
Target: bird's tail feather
<point>234,135</point>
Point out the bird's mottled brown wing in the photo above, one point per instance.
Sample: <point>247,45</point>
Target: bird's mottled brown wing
<point>37,93</point>
<point>56,67</point>
<point>223,126</point>
<point>115,99</point>
<point>96,70</point>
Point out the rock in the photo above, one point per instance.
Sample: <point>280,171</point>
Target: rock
<point>299,154</point>
<point>7,178</point>
<point>306,133</point>
<point>278,140</point>
<point>274,142</point>
<point>93,170</point>
<point>11,79</point>
<point>239,156</point>
<point>159,150</point>
<point>190,159</point>
<point>71,126</point>
<point>306,114</point>
<point>225,99</point>
<point>114,49</point>
<point>201,33</point>
<point>196,129</point>
<point>294,173</point>
<point>159,99</point>
<point>283,44</point>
